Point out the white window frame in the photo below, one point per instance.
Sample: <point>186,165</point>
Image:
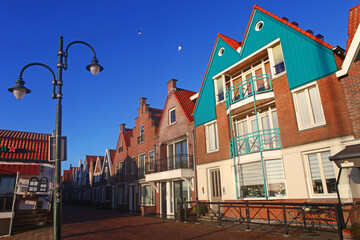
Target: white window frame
<point>215,141</point>
<point>144,161</point>
<point>306,88</point>
<point>142,133</point>
<point>152,196</point>
<point>222,79</point>
<point>150,169</point>
<point>120,196</point>
<point>272,61</point>
<point>266,178</point>
<point>170,111</point>
<point>308,173</point>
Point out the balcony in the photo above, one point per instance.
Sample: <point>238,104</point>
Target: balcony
<point>176,166</point>
<point>246,89</point>
<point>249,143</point>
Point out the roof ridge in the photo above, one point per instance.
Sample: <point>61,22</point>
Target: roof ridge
<point>233,43</point>
<point>292,26</point>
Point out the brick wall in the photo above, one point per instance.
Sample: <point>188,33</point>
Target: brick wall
<point>354,21</point>
<point>351,86</point>
<point>334,107</point>
<point>223,128</point>
<point>181,128</point>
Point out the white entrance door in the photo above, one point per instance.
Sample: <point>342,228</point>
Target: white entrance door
<point>215,187</point>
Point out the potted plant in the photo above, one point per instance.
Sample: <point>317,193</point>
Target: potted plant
<point>202,209</point>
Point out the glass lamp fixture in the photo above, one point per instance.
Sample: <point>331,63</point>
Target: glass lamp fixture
<point>94,67</point>
<point>19,90</point>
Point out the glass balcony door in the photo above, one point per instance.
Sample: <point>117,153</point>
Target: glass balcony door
<point>178,155</point>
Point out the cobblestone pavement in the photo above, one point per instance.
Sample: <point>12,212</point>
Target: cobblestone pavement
<point>86,223</point>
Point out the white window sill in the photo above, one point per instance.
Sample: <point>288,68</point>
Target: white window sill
<point>213,151</point>
<point>275,76</point>
<point>312,127</point>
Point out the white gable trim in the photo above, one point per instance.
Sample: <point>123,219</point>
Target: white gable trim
<point>350,55</point>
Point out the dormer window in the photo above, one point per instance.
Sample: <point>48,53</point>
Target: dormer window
<point>172,116</point>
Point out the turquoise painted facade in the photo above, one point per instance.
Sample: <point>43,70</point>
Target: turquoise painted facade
<point>305,59</point>
<point>205,106</point>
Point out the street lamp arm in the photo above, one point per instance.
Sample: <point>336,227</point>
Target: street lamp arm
<point>54,83</point>
<point>72,43</point>
<point>37,64</point>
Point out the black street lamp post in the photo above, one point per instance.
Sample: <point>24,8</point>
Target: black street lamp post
<point>19,92</point>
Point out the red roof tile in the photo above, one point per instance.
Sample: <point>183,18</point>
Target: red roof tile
<point>127,135</point>
<point>90,158</point>
<point>233,43</point>
<point>183,96</point>
<point>353,23</point>
<point>290,25</point>
<point>112,154</point>
<point>28,145</point>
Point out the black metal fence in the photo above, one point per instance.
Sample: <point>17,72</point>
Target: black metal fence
<point>330,217</point>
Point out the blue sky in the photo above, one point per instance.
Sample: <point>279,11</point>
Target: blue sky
<point>135,65</point>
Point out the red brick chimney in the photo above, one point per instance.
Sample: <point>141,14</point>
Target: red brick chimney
<point>122,127</point>
<point>142,101</point>
<point>171,85</point>
<point>143,106</point>
<point>354,21</point>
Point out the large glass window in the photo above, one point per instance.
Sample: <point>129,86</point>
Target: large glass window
<point>211,137</point>
<point>247,135</point>
<point>308,108</point>
<point>147,195</point>
<point>252,181</point>
<point>7,184</point>
<point>323,179</point>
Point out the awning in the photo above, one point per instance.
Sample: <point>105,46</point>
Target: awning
<point>23,169</point>
<point>349,157</point>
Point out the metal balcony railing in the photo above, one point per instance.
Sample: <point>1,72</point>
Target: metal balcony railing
<point>258,84</point>
<point>179,161</point>
<point>249,143</point>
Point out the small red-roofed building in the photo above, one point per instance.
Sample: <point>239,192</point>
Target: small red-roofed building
<point>123,179</point>
<point>169,172</point>
<point>25,173</point>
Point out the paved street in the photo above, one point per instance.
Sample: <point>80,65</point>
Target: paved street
<point>87,223</point>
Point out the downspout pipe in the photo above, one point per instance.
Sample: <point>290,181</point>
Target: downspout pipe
<point>194,162</point>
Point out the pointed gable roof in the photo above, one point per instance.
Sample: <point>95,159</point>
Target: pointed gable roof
<point>29,146</point>
<point>127,135</point>
<point>233,43</point>
<point>90,158</point>
<point>183,96</point>
<point>214,66</point>
<point>286,23</point>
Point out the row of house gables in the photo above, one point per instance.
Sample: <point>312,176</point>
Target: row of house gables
<point>276,119</point>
